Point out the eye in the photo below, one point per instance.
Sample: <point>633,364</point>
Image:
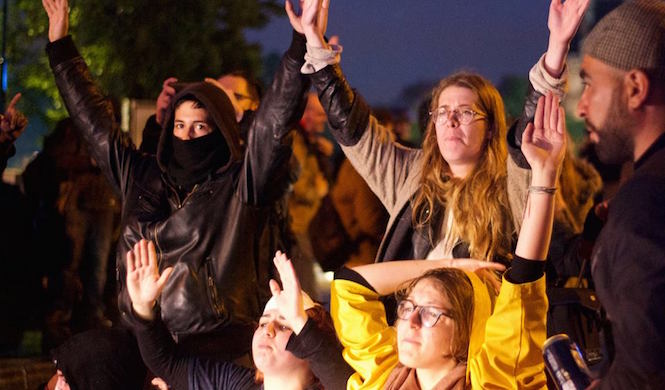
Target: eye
<point>283,328</point>
<point>467,113</point>
<point>201,126</point>
<point>263,324</point>
<point>178,126</point>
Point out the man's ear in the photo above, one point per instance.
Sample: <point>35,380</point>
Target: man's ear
<point>637,87</point>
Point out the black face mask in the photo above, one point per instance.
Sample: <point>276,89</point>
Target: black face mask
<point>194,160</point>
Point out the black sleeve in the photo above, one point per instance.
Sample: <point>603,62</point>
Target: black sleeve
<point>517,129</point>
<point>7,150</point>
<point>348,113</point>
<point>159,351</point>
<point>160,354</point>
<point>323,352</point>
<point>524,270</point>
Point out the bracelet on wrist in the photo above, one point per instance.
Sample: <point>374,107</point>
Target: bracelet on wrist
<point>542,190</point>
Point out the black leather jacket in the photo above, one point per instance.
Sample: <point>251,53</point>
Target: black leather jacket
<point>211,236</point>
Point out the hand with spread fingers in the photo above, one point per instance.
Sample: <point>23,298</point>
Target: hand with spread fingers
<point>563,21</point>
<point>544,141</point>
<point>144,283</point>
<point>12,122</point>
<point>289,298</point>
<point>58,18</point>
<point>312,21</point>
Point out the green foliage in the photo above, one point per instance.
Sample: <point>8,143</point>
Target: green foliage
<point>131,46</point>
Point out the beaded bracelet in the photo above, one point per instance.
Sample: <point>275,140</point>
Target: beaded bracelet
<point>542,190</point>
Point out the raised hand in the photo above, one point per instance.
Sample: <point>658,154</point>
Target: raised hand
<point>289,298</point>
<point>312,21</point>
<point>563,20</point>
<point>544,141</point>
<point>12,122</point>
<point>58,18</point>
<point>164,99</point>
<point>144,283</point>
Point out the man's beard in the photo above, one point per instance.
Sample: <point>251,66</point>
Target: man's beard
<point>615,144</point>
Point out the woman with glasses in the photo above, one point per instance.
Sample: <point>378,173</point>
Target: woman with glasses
<point>448,335</point>
<point>460,196</point>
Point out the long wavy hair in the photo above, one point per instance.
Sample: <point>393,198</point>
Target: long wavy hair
<point>479,201</point>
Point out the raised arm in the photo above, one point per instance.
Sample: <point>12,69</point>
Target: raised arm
<point>268,148</point>
<point>548,75</point>
<point>90,110</point>
<point>309,342</point>
<point>12,124</point>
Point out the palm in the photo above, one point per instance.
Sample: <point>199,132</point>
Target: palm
<point>565,18</point>
<point>58,17</point>
<point>289,298</point>
<point>544,140</point>
<point>144,283</point>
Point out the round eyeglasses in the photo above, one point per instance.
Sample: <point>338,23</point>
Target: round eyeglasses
<point>441,115</point>
<point>429,315</point>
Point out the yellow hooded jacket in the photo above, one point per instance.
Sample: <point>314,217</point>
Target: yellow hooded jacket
<point>505,349</point>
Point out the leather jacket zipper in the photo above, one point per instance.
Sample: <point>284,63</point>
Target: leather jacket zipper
<point>217,306</point>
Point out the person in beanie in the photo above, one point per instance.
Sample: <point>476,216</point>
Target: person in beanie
<point>623,106</point>
<point>203,199</point>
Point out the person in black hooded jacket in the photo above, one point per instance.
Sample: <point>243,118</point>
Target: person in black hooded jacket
<point>202,199</point>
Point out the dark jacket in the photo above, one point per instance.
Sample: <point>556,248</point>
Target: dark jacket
<point>209,236</point>
<point>628,267</point>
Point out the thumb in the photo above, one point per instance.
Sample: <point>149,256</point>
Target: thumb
<point>334,40</point>
<point>274,287</point>
<point>163,278</point>
<point>527,135</point>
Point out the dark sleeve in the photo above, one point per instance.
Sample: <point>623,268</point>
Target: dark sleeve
<point>159,351</point>
<point>345,273</point>
<point>348,113</point>
<point>91,112</point>
<point>268,147</point>
<point>524,271</point>
<point>323,352</point>
<point>629,273</point>
<point>150,136</point>
<point>517,129</point>
<point>7,150</point>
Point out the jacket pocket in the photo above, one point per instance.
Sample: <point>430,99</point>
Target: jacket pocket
<point>216,304</point>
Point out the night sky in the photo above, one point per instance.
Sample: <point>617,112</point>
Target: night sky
<point>392,44</point>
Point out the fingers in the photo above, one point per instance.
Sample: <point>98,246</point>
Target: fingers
<point>152,254</point>
<point>490,265</point>
<point>49,7</point>
<point>169,81</point>
<point>334,40</point>
<point>540,113</point>
<point>12,104</point>
<point>274,288</point>
<point>553,112</point>
<point>131,267</point>
<point>561,125</point>
<point>293,17</point>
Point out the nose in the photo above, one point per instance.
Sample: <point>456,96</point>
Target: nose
<point>452,120</point>
<point>582,106</point>
<point>414,319</point>
<point>270,329</point>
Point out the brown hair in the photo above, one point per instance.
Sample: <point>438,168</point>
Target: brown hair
<point>456,286</point>
<point>480,200</point>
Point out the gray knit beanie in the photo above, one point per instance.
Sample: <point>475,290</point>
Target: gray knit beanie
<point>632,36</point>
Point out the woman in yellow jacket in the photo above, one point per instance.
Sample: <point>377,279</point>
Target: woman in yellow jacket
<point>448,335</point>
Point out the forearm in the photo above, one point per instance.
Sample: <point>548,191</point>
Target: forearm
<point>535,234</point>
<point>90,110</point>
<point>323,353</point>
<point>386,277</point>
<point>159,352</point>
<point>268,147</point>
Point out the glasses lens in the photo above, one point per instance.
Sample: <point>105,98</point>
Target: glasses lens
<point>404,310</point>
